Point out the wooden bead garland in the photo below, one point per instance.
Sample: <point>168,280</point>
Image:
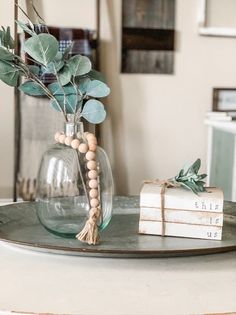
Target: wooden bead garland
<point>89,234</point>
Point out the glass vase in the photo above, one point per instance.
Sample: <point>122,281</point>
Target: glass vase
<point>62,187</point>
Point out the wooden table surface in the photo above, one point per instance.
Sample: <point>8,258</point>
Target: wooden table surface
<point>47,283</point>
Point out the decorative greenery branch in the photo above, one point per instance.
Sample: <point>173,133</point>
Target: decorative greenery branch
<point>76,87</point>
<point>190,179</point>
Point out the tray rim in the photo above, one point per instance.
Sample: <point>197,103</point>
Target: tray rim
<point>94,251</point>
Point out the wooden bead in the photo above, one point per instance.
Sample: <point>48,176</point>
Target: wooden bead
<point>57,135</point>
<point>86,133</point>
<point>93,193</point>
<point>92,174</point>
<point>91,138</point>
<point>75,143</point>
<point>83,148</point>
<point>94,202</point>
<point>92,147</point>
<point>90,155</point>
<point>68,140</point>
<point>91,165</point>
<point>62,139</point>
<point>93,183</point>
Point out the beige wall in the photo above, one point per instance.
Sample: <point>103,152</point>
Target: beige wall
<point>155,122</point>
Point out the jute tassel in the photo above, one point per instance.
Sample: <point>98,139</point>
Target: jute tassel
<point>90,234</point>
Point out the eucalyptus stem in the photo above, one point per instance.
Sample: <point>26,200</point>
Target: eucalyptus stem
<point>63,91</point>
<point>77,90</point>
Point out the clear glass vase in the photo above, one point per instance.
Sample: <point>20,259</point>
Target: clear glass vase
<point>62,187</point>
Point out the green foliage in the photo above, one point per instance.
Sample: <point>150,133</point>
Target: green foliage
<point>79,65</point>
<point>43,48</point>
<point>6,55</point>
<point>190,179</point>
<point>65,95</point>
<point>76,82</point>
<point>9,74</point>
<point>57,89</point>
<point>55,65</point>
<point>83,84</point>
<point>25,28</point>
<point>32,88</point>
<point>94,112</point>
<point>34,69</point>
<point>70,102</point>
<point>6,39</point>
<point>64,75</point>
<point>97,88</point>
<point>96,75</point>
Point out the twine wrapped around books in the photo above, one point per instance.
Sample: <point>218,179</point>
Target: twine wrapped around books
<point>163,184</point>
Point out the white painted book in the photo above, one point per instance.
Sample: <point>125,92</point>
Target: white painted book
<point>183,199</point>
<point>181,230</point>
<point>182,216</point>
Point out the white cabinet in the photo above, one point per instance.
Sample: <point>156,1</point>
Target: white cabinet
<point>221,166</point>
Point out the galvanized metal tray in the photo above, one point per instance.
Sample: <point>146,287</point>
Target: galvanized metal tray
<point>19,226</point>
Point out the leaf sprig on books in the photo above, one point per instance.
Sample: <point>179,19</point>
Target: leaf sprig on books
<point>189,178</point>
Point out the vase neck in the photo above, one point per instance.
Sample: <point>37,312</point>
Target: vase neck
<point>72,129</point>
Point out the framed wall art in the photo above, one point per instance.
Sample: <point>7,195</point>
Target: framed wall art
<point>148,36</point>
<point>224,99</point>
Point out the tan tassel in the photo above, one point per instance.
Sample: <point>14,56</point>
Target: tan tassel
<point>90,234</point>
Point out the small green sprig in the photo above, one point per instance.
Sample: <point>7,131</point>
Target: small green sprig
<point>190,179</point>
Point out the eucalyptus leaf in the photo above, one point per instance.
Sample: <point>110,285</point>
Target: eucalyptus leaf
<point>6,54</point>
<point>94,112</point>
<point>9,74</point>
<point>83,84</point>
<point>64,75</point>
<point>190,186</point>
<point>196,166</point>
<point>181,173</point>
<point>34,69</point>
<point>43,48</point>
<point>96,75</point>
<point>70,103</point>
<point>55,65</point>
<point>9,39</point>
<point>97,88</point>
<point>56,89</point>
<point>32,88</point>
<point>202,176</point>
<point>5,38</point>
<point>79,65</point>
<point>56,106</point>
<point>25,28</point>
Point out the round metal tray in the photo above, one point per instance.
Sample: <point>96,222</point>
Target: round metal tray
<point>19,226</point>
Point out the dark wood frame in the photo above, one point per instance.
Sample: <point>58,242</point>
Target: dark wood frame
<point>216,92</point>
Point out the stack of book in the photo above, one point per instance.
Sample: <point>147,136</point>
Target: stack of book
<point>185,213</point>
